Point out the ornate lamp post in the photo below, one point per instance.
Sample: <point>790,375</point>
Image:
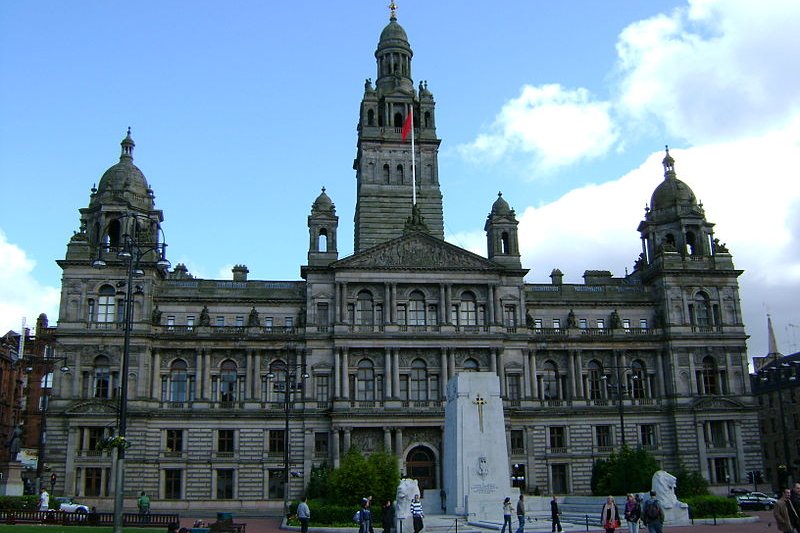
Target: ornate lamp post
<point>621,389</point>
<point>291,377</point>
<point>139,246</point>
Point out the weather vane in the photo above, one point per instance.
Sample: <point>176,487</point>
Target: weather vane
<point>393,7</point>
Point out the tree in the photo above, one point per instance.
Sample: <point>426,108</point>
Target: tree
<point>318,482</point>
<point>387,476</point>
<point>624,471</point>
<point>353,480</point>
<point>689,483</point>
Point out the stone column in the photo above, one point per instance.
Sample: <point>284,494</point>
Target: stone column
<point>445,377</point>
<point>660,374</point>
<point>345,374</point>
<point>737,435</point>
<point>398,448</point>
<point>448,296</point>
<point>335,445</point>
<point>490,304</point>
<point>534,375</point>
<point>337,374</point>
<point>451,362</point>
<point>701,450</point>
<point>442,304</point>
<point>387,439</point>
<point>207,375</point>
<point>501,371</point>
<point>155,376</point>
<point>387,304</point>
<point>396,372</point>
<point>570,378</point>
<point>387,371</point>
<point>248,376</point>
<point>493,360</point>
<point>526,376</point>
<point>579,367</point>
<point>347,432</point>
<point>393,304</point>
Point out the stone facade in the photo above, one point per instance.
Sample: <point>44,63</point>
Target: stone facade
<point>364,346</point>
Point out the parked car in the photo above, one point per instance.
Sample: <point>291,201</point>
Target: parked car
<point>68,505</point>
<point>756,501</point>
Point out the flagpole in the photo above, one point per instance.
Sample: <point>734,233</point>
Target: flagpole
<point>413,165</point>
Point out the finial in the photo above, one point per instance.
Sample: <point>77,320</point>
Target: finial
<point>669,164</point>
<point>393,8</point>
<point>499,193</point>
<point>127,146</point>
<point>323,189</point>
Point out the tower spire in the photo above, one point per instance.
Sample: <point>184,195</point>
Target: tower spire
<point>127,146</point>
<point>772,344</point>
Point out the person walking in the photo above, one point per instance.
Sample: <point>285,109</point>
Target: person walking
<point>387,516</point>
<point>794,506</point>
<point>521,513</point>
<point>508,509</point>
<point>609,517</point>
<point>44,500</point>
<point>303,514</point>
<point>782,514</point>
<point>417,514</point>
<point>555,514</point>
<point>653,514</point>
<point>364,517</point>
<point>632,513</point>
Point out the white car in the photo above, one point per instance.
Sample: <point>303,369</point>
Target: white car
<point>69,506</point>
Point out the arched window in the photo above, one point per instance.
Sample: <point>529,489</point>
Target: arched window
<point>691,244</point>
<point>549,381</point>
<point>670,241</point>
<point>702,310</point>
<point>178,381</point>
<point>365,378</point>
<point>106,304</point>
<point>419,381</point>
<point>427,119</point>
<point>505,243</point>
<point>370,117</point>
<point>364,309</point>
<point>638,376</point>
<point>386,176</point>
<point>708,376</point>
<point>114,233</point>
<point>470,365</point>
<point>322,240</point>
<point>102,377</point>
<point>400,174</point>
<point>594,380</point>
<point>468,310</point>
<point>227,381</point>
<point>416,309</point>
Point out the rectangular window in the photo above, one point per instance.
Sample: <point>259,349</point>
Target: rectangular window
<point>288,322</point>
<point>190,322</point>
<point>91,310</point>
<point>173,484</point>
<point>402,319</point>
<point>170,323</point>
<point>225,484</point>
<point>557,438</point>
<point>106,308</point>
<point>225,440</point>
<point>93,484</point>
<point>643,323</point>
<point>510,316</point>
<point>268,322</point>
<point>403,387</point>
<point>275,484</point>
<point>556,324</point>
<point>626,324</point>
<point>647,435</point>
<point>602,437</point>
<point>322,388</point>
<point>601,323</point>
<point>416,312</point>
<point>321,440</point>
<point>174,440</point>
<point>239,321</point>
<point>583,323</point>
<point>560,481</point>
<point>120,310</point>
<point>277,440</point>
<point>454,314</point>
<point>513,386</point>
<point>220,321</point>
<point>517,441</point>
<point>433,315</point>
<point>322,314</point>
<point>93,437</point>
<point>537,324</point>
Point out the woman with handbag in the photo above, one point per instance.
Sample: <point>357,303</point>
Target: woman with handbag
<point>610,515</point>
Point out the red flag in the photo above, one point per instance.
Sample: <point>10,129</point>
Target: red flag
<point>406,126</point>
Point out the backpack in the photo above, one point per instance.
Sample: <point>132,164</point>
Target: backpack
<point>652,510</point>
<point>357,517</point>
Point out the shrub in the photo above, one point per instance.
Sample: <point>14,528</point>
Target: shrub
<point>625,471</point>
<point>709,506</point>
<point>29,503</point>
<point>690,484</point>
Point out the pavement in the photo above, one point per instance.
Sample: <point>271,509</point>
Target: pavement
<point>451,524</point>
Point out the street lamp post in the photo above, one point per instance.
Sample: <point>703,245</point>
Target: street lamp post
<point>294,376</point>
<point>621,390</point>
<point>136,247</point>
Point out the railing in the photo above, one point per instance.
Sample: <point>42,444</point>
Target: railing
<point>13,516</point>
<point>558,449</point>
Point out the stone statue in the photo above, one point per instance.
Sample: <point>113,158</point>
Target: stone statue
<point>15,443</point>
<point>571,320</point>
<point>253,319</point>
<point>405,493</point>
<point>205,320</point>
<point>155,318</point>
<point>675,512</point>
<point>616,323</point>
<point>528,320</point>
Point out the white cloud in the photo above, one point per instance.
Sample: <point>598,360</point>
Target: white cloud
<point>20,294</point>
<point>557,126</point>
<point>714,71</point>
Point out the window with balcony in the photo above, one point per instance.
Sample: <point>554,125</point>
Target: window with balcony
<point>708,378</point>
<point>228,380</point>
<point>594,380</point>
<point>321,443</point>
<point>106,304</point>
<point>239,321</point>
<point>510,316</point>
<point>638,377</point>
<point>177,386</point>
<point>220,321</point>
<point>643,323</point>
<point>468,310</point>
<point>322,391</point>
<point>365,379</point>
<point>517,438</point>
<point>102,377</point>
<point>364,309</point>
<point>419,381</point>
<point>416,309</point>
<point>514,387</point>
<point>549,381</point>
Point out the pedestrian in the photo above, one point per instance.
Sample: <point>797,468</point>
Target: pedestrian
<point>782,514</point>
<point>143,503</point>
<point>633,513</point>
<point>521,513</point>
<point>417,514</point>
<point>653,514</point>
<point>364,517</point>
<point>508,509</point>
<point>609,517</point>
<point>303,514</point>
<point>555,514</point>
<point>387,516</point>
<point>794,505</point>
<point>44,500</point>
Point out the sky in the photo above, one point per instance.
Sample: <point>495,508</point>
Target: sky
<point>242,111</point>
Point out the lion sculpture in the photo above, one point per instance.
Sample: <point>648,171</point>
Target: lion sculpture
<point>675,512</point>
<point>405,493</point>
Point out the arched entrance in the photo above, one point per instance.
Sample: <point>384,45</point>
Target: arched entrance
<point>421,465</point>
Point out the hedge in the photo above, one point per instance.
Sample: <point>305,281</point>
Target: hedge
<point>712,506</point>
<point>21,503</point>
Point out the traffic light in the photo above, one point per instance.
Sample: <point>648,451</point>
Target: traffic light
<point>750,476</point>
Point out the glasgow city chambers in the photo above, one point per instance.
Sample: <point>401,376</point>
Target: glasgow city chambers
<point>234,388</point>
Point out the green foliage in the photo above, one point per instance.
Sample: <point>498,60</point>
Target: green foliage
<point>318,483</point>
<point>690,484</point>
<point>352,481</point>
<point>710,506</point>
<point>387,477</point>
<point>327,515</point>
<point>625,471</point>
<point>19,502</point>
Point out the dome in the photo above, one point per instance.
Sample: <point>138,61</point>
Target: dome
<point>323,203</point>
<point>500,206</point>
<point>125,177</point>
<point>393,36</point>
<point>671,192</point>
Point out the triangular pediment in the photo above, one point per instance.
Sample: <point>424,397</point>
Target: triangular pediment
<point>94,407</point>
<point>416,250</point>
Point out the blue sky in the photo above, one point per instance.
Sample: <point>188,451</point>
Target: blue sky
<point>242,111</point>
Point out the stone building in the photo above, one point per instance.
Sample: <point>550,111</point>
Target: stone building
<point>362,348</point>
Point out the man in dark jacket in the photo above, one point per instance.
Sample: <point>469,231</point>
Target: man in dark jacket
<point>555,514</point>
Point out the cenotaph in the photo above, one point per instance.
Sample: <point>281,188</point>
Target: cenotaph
<point>475,462</point>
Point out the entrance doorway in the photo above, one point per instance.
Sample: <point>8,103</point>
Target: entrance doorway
<point>421,465</point>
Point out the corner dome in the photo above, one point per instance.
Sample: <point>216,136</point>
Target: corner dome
<point>323,203</point>
<point>671,192</point>
<point>125,179</point>
<point>500,206</point>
